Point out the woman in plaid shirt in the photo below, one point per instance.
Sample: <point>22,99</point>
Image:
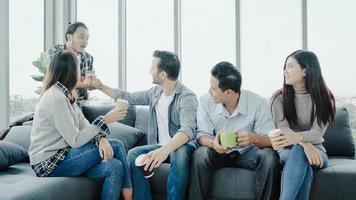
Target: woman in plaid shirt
<point>63,143</point>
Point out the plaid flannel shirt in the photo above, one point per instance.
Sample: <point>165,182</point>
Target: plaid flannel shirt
<point>86,63</point>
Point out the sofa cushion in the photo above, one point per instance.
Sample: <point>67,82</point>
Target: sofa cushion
<point>91,112</point>
<point>20,135</point>
<point>10,154</point>
<point>337,181</point>
<point>338,136</point>
<point>18,182</point>
<point>126,134</point>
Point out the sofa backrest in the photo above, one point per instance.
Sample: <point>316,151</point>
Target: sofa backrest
<point>338,136</point>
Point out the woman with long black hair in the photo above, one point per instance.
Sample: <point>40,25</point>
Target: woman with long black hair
<point>302,110</point>
<point>63,143</point>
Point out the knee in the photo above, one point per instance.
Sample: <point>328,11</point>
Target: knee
<point>200,156</point>
<point>182,154</point>
<point>268,157</point>
<point>297,150</point>
<point>116,144</point>
<point>132,155</point>
<point>115,166</point>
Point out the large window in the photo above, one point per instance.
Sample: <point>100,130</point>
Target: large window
<point>332,38</point>
<point>270,30</point>
<point>26,43</point>
<point>149,27</point>
<point>208,37</point>
<point>101,18</point>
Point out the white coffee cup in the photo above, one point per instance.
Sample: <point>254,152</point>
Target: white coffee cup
<point>140,162</point>
<point>274,133</point>
<point>121,104</point>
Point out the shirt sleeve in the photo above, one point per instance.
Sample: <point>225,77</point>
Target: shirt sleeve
<point>263,119</point>
<point>134,98</point>
<point>188,115</point>
<point>278,116</point>
<point>64,123</point>
<point>315,134</point>
<point>204,123</point>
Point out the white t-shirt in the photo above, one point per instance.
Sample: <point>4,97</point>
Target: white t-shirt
<point>162,118</point>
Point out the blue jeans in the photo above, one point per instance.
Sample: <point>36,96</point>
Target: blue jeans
<point>297,174</point>
<point>206,160</point>
<point>178,173</point>
<point>86,161</point>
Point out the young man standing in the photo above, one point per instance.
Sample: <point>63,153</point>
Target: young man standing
<point>171,125</point>
<point>227,108</point>
<point>76,37</point>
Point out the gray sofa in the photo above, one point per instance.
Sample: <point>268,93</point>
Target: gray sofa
<point>338,181</point>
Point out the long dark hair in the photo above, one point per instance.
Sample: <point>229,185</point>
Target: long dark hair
<point>63,68</point>
<point>323,100</point>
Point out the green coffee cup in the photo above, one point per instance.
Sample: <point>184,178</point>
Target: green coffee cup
<point>228,139</point>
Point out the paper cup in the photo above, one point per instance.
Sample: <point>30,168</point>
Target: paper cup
<point>140,162</point>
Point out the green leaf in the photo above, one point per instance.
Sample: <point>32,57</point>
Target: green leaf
<point>37,77</point>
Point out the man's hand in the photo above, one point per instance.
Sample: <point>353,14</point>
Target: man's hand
<point>313,154</point>
<point>216,144</point>
<point>156,157</point>
<point>96,84</point>
<point>88,81</point>
<point>245,138</point>
<point>105,149</point>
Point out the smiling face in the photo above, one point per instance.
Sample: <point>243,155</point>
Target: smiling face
<point>156,74</point>
<point>294,74</point>
<point>78,41</point>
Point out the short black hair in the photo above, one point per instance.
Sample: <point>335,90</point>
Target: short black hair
<point>169,63</point>
<point>73,27</point>
<point>228,76</point>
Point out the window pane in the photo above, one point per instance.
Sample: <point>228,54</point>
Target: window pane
<point>332,38</point>
<point>26,43</point>
<point>208,37</point>
<point>101,18</point>
<point>149,27</point>
<point>270,30</point>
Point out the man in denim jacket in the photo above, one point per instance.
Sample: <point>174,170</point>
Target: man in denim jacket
<point>171,125</point>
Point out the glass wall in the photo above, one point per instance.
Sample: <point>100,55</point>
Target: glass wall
<point>101,18</point>
<point>332,38</point>
<point>208,37</point>
<point>149,27</point>
<point>26,44</point>
<point>270,30</point>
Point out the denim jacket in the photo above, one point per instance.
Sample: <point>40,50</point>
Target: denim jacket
<point>182,111</point>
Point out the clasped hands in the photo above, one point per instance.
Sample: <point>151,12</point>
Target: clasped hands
<point>243,139</point>
<point>92,82</point>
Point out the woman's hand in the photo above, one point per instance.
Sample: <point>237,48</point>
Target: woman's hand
<point>313,154</point>
<point>105,149</point>
<point>115,115</point>
<point>291,138</point>
<point>277,142</point>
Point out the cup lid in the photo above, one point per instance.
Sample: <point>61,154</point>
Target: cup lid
<point>139,160</point>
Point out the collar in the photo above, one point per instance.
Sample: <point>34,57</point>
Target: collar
<point>64,90</point>
<point>240,109</point>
